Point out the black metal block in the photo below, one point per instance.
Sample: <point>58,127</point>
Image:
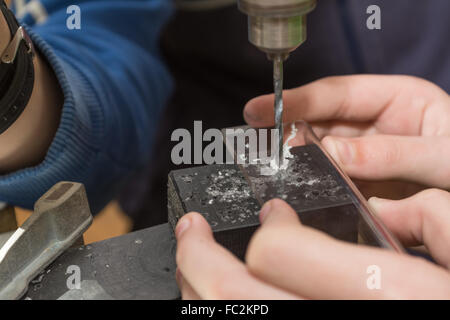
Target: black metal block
<point>222,195</point>
<point>230,202</point>
<point>315,190</point>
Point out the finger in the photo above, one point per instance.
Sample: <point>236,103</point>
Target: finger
<point>311,264</point>
<point>421,219</point>
<point>187,292</point>
<point>359,98</point>
<point>391,189</point>
<point>281,214</point>
<point>343,129</point>
<point>393,157</point>
<point>212,271</point>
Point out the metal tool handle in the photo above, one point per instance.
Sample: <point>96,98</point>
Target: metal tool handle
<point>61,216</point>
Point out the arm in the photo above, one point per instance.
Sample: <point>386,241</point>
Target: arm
<point>114,87</point>
<point>26,142</point>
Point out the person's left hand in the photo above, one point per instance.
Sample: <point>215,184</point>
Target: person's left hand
<point>286,260</point>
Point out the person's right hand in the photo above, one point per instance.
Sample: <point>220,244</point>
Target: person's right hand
<point>378,128</point>
<point>288,260</point>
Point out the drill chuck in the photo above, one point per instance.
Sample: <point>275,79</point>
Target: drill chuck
<point>277,27</point>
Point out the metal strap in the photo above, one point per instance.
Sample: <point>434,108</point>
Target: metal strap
<point>10,53</point>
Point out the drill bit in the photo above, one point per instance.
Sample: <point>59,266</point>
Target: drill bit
<point>278,87</point>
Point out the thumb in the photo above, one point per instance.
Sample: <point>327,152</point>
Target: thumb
<point>277,212</point>
<point>384,157</point>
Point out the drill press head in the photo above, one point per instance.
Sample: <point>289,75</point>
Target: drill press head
<point>277,27</point>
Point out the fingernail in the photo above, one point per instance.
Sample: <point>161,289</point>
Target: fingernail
<point>250,116</point>
<point>340,150</point>
<point>265,211</point>
<point>182,226</point>
<point>376,203</point>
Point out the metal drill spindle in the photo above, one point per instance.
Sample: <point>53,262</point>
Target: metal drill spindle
<point>278,87</point>
<point>277,27</point>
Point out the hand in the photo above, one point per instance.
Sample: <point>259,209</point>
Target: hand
<point>376,127</point>
<point>286,260</point>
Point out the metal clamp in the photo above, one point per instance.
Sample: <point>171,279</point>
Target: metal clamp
<point>10,53</point>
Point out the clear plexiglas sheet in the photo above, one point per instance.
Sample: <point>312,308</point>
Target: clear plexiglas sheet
<point>310,181</point>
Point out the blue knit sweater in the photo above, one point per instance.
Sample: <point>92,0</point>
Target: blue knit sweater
<point>115,87</point>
